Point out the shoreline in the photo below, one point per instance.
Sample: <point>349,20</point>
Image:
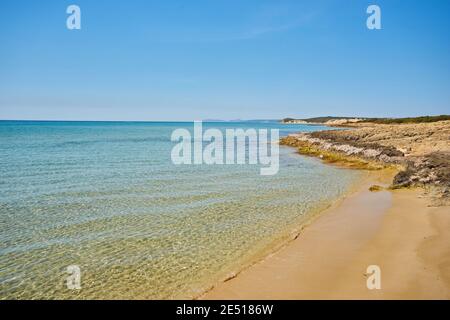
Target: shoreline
<point>394,229</point>
<point>291,234</point>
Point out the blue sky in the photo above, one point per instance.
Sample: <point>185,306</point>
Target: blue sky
<point>223,59</point>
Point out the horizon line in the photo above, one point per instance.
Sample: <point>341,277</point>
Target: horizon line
<point>71,120</point>
<point>216,120</point>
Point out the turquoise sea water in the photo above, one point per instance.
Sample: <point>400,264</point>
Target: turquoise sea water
<point>105,196</point>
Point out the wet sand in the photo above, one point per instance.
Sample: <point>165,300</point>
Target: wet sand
<point>395,230</point>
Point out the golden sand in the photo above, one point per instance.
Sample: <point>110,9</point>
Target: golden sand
<point>393,229</point>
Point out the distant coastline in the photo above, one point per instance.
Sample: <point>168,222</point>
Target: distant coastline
<point>337,121</point>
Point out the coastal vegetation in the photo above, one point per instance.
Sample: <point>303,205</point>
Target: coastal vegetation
<point>424,119</point>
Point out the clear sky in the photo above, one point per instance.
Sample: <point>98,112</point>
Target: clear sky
<point>223,59</point>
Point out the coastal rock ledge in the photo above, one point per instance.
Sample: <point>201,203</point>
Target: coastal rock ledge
<point>420,151</point>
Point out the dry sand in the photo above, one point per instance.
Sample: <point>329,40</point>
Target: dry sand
<point>395,230</point>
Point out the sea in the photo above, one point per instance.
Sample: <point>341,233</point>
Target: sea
<point>97,210</point>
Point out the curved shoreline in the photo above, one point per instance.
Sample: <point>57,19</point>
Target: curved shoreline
<point>366,180</point>
<point>395,229</point>
<point>284,239</point>
<point>329,260</point>
<point>365,219</point>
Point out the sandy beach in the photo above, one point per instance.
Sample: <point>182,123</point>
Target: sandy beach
<point>397,220</point>
<point>395,230</point>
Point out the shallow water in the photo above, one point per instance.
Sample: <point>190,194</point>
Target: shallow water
<point>106,197</point>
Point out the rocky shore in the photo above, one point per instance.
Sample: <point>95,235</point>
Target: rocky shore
<point>420,151</point>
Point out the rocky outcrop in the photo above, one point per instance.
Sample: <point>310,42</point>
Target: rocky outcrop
<point>421,150</point>
<point>433,168</point>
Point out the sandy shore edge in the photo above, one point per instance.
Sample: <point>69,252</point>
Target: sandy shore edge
<point>395,230</point>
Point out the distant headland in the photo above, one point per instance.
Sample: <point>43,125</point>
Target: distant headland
<point>333,121</point>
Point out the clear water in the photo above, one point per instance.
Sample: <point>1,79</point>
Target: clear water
<point>106,197</point>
